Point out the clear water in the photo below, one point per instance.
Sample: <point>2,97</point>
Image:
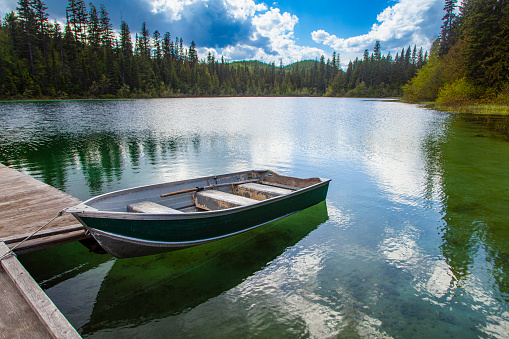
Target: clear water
<point>413,240</point>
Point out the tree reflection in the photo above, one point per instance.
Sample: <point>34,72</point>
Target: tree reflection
<point>100,157</point>
<point>142,289</point>
<point>476,199</point>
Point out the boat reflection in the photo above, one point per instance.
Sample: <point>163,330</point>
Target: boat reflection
<point>52,266</point>
<point>139,290</point>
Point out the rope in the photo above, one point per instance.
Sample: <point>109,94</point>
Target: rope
<point>11,251</point>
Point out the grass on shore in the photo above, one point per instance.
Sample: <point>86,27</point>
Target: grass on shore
<point>485,109</point>
<point>475,109</point>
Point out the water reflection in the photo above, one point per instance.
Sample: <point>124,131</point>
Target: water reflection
<point>495,123</point>
<point>101,159</point>
<point>416,235</point>
<point>476,204</point>
<point>117,144</point>
<point>136,291</point>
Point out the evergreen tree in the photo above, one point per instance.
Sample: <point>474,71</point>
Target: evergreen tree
<point>447,34</point>
<point>26,17</point>
<point>94,34</point>
<point>105,28</point>
<point>40,16</point>
<point>486,29</point>
<point>126,52</point>
<point>377,51</point>
<point>193,54</point>
<point>77,17</point>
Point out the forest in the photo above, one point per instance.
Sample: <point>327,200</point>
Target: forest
<point>469,61</point>
<point>86,58</point>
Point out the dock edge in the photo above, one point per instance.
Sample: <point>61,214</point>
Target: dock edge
<point>57,325</point>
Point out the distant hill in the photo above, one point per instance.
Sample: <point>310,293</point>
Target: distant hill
<point>302,65</point>
<point>253,64</point>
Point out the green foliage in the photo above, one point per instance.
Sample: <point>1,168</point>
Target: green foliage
<point>426,85</point>
<point>472,62</point>
<point>459,92</point>
<point>360,91</point>
<point>502,97</point>
<point>82,59</point>
<point>485,30</point>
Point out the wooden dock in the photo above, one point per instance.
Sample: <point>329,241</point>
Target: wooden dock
<point>27,312</point>
<point>26,204</point>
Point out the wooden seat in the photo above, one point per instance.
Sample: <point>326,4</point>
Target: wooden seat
<point>213,200</point>
<point>151,207</point>
<point>259,191</point>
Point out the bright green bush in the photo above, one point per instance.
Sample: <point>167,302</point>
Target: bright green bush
<point>459,92</point>
<point>427,83</point>
<point>502,97</point>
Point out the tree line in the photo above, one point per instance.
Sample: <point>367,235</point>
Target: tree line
<point>378,75</point>
<point>469,61</point>
<point>85,58</point>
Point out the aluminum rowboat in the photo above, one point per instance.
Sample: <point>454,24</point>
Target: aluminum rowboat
<point>170,216</point>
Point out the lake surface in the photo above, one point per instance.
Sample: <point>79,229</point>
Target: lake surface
<point>413,240</point>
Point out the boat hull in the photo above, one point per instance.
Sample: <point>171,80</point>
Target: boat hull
<point>139,235</point>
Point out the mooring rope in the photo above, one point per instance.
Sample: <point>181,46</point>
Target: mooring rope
<point>11,251</point>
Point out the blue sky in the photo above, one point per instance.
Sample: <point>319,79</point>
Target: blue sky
<point>286,31</point>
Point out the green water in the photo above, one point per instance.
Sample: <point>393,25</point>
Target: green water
<point>413,240</point>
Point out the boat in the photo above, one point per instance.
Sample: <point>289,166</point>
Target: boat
<point>159,218</point>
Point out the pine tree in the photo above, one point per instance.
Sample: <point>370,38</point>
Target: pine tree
<point>144,42</point>
<point>447,34</point>
<point>26,18</point>
<point>486,28</point>
<point>377,51</point>
<point>77,17</point>
<point>94,37</point>
<point>420,59</point>
<point>338,61</point>
<point>105,28</point>
<point>126,51</point>
<point>193,54</point>
<point>40,16</point>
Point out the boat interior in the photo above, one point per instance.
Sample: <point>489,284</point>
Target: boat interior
<point>204,194</point>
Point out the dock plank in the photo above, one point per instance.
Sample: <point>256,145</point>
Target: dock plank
<point>26,204</point>
<point>14,307</point>
<point>51,322</point>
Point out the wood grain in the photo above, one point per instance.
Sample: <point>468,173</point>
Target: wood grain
<point>18,320</point>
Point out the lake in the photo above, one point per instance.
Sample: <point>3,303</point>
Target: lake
<point>412,241</point>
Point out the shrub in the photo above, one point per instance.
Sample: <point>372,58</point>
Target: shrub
<point>503,96</point>
<point>459,92</point>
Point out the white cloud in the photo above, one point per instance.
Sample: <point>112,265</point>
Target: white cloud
<point>237,29</point>
<point>174,9</point>
<point>408,22</point>
<point>242,9</point>
<point>272,40</point>
<point>6,6</point>
<point>273,23</point>
<point>242,29</point>
<point>278,28</point>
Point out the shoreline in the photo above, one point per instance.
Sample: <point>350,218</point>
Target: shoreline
<point>480,109</point>
<point>186,97</point>
<point>471,108</point>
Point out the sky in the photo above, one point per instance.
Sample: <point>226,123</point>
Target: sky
<point>284,31</point>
